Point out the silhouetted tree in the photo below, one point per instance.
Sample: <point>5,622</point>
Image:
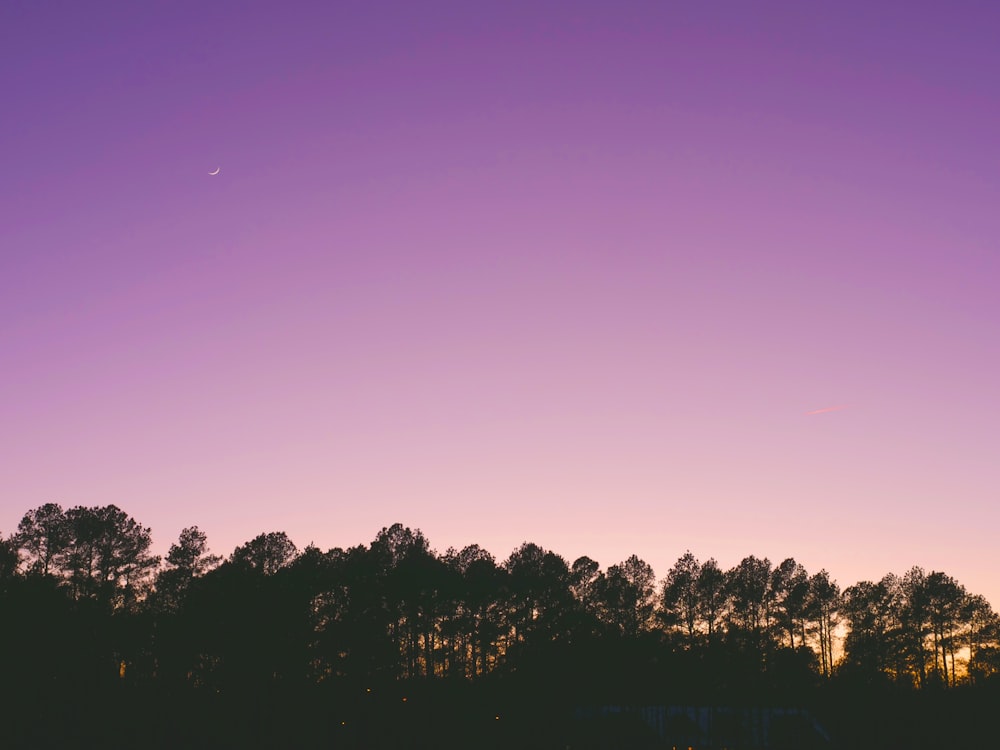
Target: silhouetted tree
<point>870,645</point>
<point>393,544</point>
<point>914,626</point>
<point>583,574</point>
<point>982,627</point>
<point>43,534</point>
<point>626,594</point>
<point>945,598</point>
<point>680,599</point>
<point>107,555</point>
<point>586,583</point>
<point>475,626</point>
<point>265,553</point>
<point>748,587</point>
<point>790,590</point>
<point>351,622</point>
<point>9,558</point>
<point>186,560</point>
<point>190,553</point>
<point>538,596</point>
<point>300,646</point>
<point>411,577</point>
<point>711,597</point>
<point>821,609</point>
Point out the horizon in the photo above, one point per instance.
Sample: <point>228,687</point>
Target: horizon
<point>160,549</point>
<point>631,280</point>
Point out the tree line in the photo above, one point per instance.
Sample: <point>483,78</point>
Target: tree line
<point>397,610</point>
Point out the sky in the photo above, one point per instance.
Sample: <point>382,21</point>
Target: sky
<point>614,278</point>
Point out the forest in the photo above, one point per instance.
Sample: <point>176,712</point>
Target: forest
<point>393,644</point>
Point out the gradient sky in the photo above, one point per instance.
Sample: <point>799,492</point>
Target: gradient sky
<point>566,272</point>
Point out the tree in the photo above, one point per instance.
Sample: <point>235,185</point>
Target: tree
<point>711,596</point>
<point>748,587</point>
<point>914,621</point>
<point>871,609</point>
<point>584,573</point>
<point>538,595</point>
<point>625,594</point>
<point>945,598</point>
<point>821,608</point>
<point>190,553</point>
<point>474,626</point>
<point>354,627</point>
<point>585,583</point>
<point>44,534</point>
<point>397,542</point>
<point>681,597</point>
<point>107,555</point>
<point>982,628</point>
<point>9,558</point>
<point>790,589</point>
<point>265,553</point>
<point>186,560</point>
<point>412,577</point>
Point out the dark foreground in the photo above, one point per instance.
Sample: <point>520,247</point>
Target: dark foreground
<point>498,715</point>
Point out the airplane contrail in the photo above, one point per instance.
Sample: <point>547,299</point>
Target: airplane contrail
<point>824,411</point>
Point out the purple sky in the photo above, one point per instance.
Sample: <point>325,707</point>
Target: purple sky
<point>569,272</point>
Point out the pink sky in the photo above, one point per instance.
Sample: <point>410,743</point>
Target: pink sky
<point>566,272</point>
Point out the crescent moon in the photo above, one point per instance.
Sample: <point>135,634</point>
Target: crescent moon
<point>217,170</point>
